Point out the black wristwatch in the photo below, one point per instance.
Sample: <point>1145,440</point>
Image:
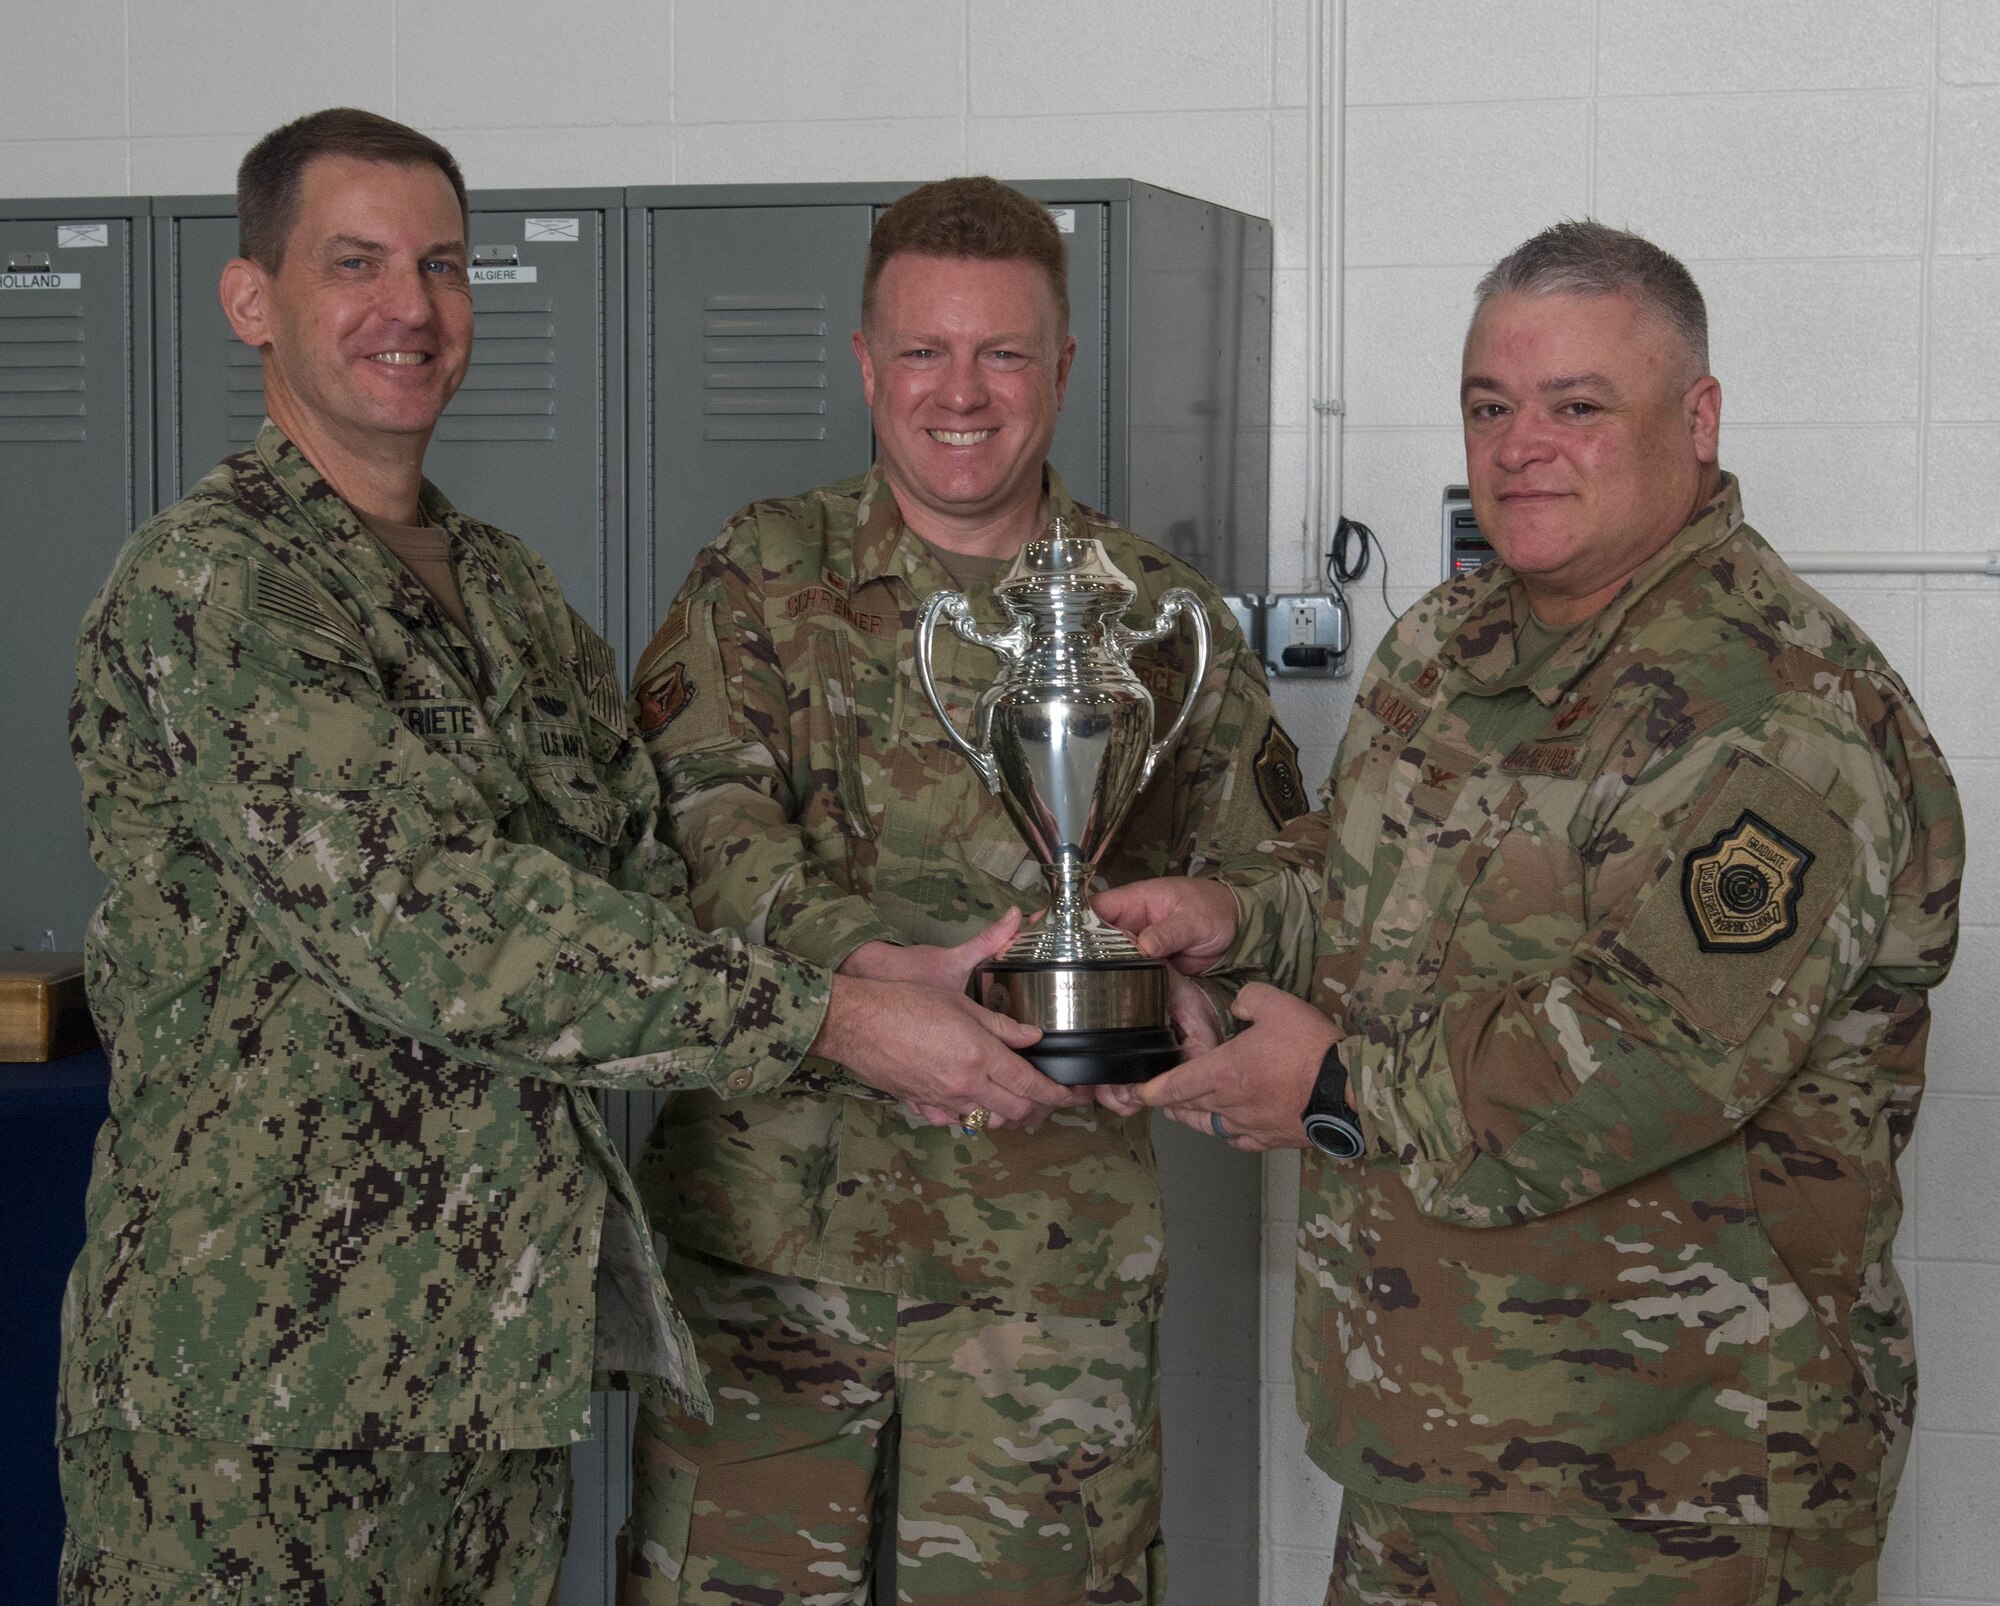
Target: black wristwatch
<point>1329,1119</point>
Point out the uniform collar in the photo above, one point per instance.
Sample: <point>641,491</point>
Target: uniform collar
<point>883,545</point>
<point>377,574</point>
<point>1484,645</point>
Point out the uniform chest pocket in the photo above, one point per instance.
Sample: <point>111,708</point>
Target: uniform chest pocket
<point>834,796</point>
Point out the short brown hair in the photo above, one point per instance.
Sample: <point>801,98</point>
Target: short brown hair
<point>976,219</point>
<point>267,183</point>
<point>1582,257</point>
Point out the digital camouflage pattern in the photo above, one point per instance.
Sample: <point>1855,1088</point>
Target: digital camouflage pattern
<point>1397,1556</point>
<point>369,939</point>
<point>1622,1246</point>
<point>233,1524</point>
<point>1027,1463</point>
<point>819,806</point>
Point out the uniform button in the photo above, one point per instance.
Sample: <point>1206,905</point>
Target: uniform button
<point>739,1080</point>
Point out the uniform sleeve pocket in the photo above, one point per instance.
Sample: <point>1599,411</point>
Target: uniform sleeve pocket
<point>1121,1506</point>
<point>655,1545</point>
<point>102,1579</point>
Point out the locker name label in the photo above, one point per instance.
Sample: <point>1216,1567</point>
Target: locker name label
<point>513,273</point>
<point>41,281</point>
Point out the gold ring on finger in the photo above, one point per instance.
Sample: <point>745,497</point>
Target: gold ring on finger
<point>973,1122</point>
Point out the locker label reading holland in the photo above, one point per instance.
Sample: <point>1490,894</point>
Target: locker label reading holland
<point>508,273</point>
<point>41,281</point>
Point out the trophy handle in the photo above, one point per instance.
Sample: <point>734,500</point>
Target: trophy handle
<point>1002,643</point>
<point>1174,605</point>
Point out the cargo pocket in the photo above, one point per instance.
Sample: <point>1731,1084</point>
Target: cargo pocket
<point>87,1576</point>
<point>1121,1507</point>
<point>653,1548</point>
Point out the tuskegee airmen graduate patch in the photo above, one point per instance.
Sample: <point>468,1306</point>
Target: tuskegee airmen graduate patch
<point>1742,890</point>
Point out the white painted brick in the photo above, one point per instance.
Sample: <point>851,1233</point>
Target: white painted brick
<point>523,158</point>
<point>1289,449</point>
<point>185,80</point>
<point>1298,1577</point>
<point>1965,1021</point>
<point>1958,1554</point>
<point>1291,64</point>
<point>1961,1385</point>
<point>1219,156</point>
<point>1904,1248</point>
<point>1714,45</point>
<point>60,167</point>
<point>1467,50</point>
<point>1889,618</point>
<point>1961,661</point>
<point>1050,57</point>
<point>1766,175</point>
<point>741,60</point>
<point>1965,338</point>
<point>1962,488</point>
<point>1291,351</point>
<point>788,153</point>
<point>1968,150</point>
<point>1769,342</point>
<point>1958,1185</point>
<point>1979,796</point>
<point>193,164</point>
<point>68,78</point>
<point>541,69</point>
<point>1405,336</point>
<point>1438,184</point>
<point>1291,190</point>
<point>1394,483</point>
<point>1969,42</point>
<point>1305,1503</point>
<point>1314,712</point>
<point>1818,489</point>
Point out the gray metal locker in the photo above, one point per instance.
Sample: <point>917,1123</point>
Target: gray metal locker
<point>75,477</point>
<point>742,383</point>
<point>532,442</point>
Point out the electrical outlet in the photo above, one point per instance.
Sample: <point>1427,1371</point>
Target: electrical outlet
<point>1307,636</point>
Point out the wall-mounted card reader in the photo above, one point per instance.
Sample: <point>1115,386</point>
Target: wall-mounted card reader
<point>1465,548</point>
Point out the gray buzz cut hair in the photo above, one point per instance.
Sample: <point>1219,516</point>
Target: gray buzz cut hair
<point>1582,257</point>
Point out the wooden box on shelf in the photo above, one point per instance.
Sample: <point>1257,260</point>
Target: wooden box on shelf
<point>43,1013</point>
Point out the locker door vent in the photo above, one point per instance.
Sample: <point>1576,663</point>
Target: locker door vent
<point>509,392</point>
<point>763,368</point>
<point>42,361</point>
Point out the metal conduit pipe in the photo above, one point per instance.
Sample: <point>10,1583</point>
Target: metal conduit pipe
<point>1986,563</point>
<point>1326,183</point>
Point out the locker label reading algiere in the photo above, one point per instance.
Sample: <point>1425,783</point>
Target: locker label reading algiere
<point>505,273</point>
<point>41,281</point>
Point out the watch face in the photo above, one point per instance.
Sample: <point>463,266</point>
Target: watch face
<point>1337,1135</point>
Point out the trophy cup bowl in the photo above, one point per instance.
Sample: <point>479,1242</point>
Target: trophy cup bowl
<point>1064,737</point>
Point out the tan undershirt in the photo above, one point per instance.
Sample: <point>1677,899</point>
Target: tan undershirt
<point>968,569</point>
<point>424,551</point>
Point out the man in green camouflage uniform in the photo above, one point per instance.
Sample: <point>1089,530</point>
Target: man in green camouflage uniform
<point>977,1310</point>
<point>1637,867</point>
<point>385,902</point>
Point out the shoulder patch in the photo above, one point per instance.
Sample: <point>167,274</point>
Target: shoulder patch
<point>1277,771</point>
<point>1742,890</point>
<point>681,671</point>
<point>664,698</point>
<point>597,671</point>
<point>274,594</point>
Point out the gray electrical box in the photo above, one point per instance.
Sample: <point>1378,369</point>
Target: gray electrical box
<point>744,298</point>
<point>1465,545</point>
<point>75,476</point>
<point>534,439</point>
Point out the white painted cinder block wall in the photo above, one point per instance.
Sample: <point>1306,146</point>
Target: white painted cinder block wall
<point>1826,167</point>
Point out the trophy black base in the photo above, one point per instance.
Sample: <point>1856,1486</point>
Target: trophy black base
<point>1077,1059</point>
<point>1102,1020</point>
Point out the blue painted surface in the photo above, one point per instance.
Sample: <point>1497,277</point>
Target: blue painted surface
<point>49,1116</point>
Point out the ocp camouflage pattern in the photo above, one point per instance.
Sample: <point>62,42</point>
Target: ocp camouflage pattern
<point>369,939</point>
<point>1622,1245</point>
<point>820,806</point>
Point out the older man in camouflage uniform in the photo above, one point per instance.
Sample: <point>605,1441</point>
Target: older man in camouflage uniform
<point>978,1310</point>
<point>385,902</point>
<point>1620,922</point>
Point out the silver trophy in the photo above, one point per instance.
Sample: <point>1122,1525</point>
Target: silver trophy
<point>1065,737</point>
